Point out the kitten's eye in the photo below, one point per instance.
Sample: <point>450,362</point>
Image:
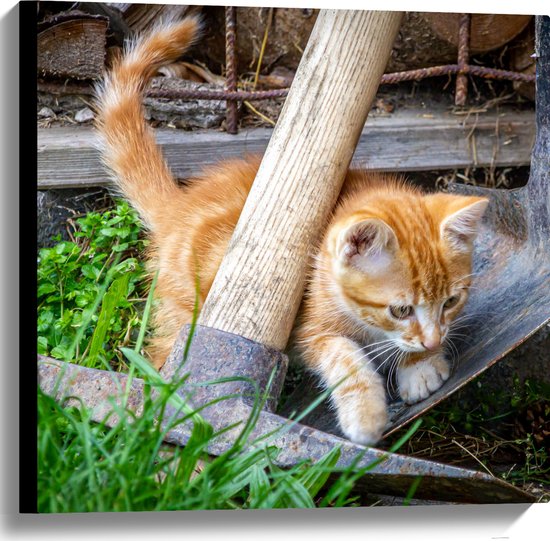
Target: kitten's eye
<point>450,302</point>
<point>401,312</point>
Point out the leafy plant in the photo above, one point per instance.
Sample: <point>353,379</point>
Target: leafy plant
<point>101,264</point>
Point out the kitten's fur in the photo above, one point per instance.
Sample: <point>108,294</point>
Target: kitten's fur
<point>388,248</point>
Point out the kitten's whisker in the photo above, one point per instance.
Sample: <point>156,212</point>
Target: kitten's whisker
<point>381,365</point>
<point>454,334</point>
<point>358,362</point>
<point>468,325</point>
<point>372,359</point>
<point>465,318</point>
<point>378,343</point>
<point>386,360</point>
<point>396,365</point>
<point>454,354</point>
<point>463,278</point>
<point>392,371</point>
<point>385,347</point>
<point>475,314</point>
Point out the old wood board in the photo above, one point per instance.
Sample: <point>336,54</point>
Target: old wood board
<point>406,140</point>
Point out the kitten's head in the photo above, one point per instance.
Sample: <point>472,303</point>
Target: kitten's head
<point>402,263</point>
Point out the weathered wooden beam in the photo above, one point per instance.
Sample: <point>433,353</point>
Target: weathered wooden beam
<point>407,140</point>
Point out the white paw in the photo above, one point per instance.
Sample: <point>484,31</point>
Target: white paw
<point>364,420</point>
<point>364,435</point>
<point>418,381</point>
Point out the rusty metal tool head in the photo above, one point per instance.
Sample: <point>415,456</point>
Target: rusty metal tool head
<point>223,374</point>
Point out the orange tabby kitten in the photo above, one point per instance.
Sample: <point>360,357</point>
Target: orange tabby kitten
<point>391,272</point>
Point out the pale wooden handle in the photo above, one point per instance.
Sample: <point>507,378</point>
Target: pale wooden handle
<point>258,288</point>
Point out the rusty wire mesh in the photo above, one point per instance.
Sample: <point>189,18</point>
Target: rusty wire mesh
<point>232,95</point>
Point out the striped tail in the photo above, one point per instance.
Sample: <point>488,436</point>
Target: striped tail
<point>127,144</point>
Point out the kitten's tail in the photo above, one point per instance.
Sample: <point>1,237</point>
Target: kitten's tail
<point>127,144</point>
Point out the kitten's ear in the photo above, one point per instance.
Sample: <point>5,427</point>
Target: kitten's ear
<point>367,245</point>
<point>460,227</point>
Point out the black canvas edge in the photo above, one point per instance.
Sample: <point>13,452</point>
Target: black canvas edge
<point>28,382</point>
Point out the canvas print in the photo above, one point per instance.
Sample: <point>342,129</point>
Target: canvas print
<point>291,258</point>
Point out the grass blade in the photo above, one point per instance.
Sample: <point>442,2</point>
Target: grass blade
<point>90,312</point>
<point>146,315</point>
<point>116,292</point>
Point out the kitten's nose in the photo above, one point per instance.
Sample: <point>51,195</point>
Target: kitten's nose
<point>432,341</point>
<point>431,344</point>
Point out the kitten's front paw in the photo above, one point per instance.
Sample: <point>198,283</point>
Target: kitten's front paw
<point>418,381</point>
<point>364,424</point>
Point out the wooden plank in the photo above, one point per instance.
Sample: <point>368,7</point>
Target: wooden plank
<point>407,140</point>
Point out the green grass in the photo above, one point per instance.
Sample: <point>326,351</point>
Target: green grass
<point>86,466</point>
<point>92,311</point>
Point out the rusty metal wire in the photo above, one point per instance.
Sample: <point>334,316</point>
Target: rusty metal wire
<point>229,95</point>
<point>491,73</point>
<point>449,69</point>
<point>387,78</point>
<point>461,89</point>
<point>231,67</point>
<point>251,95</point>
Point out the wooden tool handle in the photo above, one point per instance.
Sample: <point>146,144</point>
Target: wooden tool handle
<point>260,283</point>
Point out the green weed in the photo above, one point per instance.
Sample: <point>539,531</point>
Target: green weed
<point>74,278</point>
<point>501,432</point>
